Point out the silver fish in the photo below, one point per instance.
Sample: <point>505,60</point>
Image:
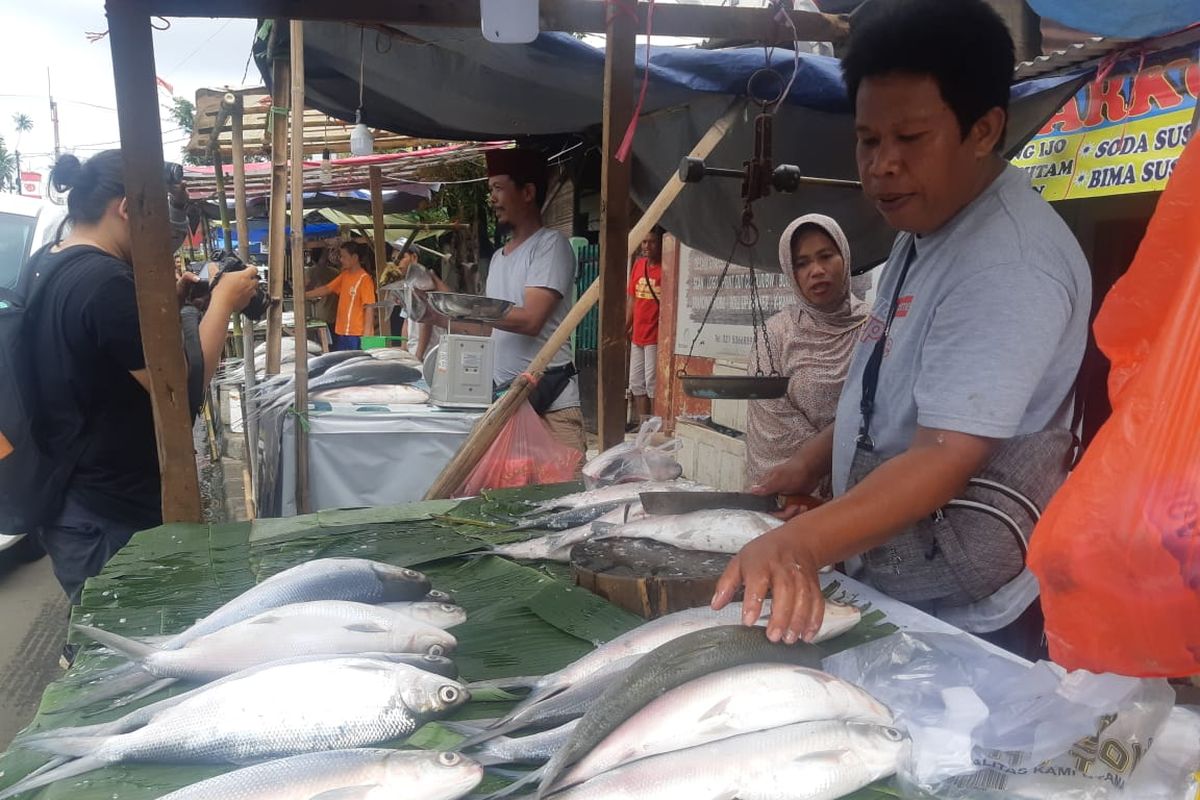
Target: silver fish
<point>623,492</point>
<point>356,579</point>
<point>439,665</point>
<point>439,614</point>
<point>721,530</point>
<point>744,699</point>
<point>557,546</point>
<point>281,711</point>
<point>644,638</point>
<point>357,774</point>
<point>810,761</point>
<point>332,627</point>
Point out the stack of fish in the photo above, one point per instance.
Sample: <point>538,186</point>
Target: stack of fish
<point>616,512</point>
<point>717,712</point>
<point>309,665</point>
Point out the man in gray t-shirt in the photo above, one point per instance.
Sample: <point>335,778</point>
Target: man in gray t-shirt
<point>536,271</point>
<point>977,334</point>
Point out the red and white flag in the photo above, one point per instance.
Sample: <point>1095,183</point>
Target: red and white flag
<point>31,184</point>
<point>163,84</point>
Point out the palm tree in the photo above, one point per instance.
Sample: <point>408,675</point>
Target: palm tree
<point>8,167</point>
<point>22,123</point>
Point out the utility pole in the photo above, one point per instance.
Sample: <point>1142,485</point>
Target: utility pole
<point>53,114</point>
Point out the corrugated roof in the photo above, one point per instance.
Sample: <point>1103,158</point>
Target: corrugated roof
<point>1096,48</point>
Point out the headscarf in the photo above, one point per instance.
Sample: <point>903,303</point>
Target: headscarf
<point>813,348</point>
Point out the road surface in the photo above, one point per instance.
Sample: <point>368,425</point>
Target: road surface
<point>34,613</point>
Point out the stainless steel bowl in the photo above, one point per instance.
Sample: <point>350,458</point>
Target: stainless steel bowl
<point>469,306</point>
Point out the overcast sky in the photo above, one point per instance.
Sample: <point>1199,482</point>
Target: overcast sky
<point>52,33</point>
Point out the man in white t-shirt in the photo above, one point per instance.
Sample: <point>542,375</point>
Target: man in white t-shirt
<point>536,271</point>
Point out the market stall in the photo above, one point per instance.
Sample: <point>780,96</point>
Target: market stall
<point>522,618</point>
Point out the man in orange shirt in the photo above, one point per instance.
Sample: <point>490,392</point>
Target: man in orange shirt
<point>641,321</point>
<point>355,291</point>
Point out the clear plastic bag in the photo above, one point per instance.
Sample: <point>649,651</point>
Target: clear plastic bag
<point>524,453</point>
<point>639,460</point>
<point>984,725</point>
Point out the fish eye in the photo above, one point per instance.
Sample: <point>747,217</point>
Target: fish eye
<point>436,650</point>
<point>409,573</point>
<point>449,694</point>
<point>449,608</point>
<point>431,658</point>
<point>893,734</point>
<point>449,759</point>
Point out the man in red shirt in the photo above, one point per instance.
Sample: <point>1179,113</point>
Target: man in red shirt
<point>641,321</point>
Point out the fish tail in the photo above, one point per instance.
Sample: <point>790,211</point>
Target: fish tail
<point>120,683</point>
<point>142,694</point>
<point>506,684</point>
<point>68,770</point>
<point>135,650</point>
<point>71,746</point>
<point>521,782</point>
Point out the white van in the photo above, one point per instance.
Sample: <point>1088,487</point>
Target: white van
<point>26,224</point>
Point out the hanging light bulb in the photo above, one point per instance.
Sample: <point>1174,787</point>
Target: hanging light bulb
<point>361,141</point>
<point>326,168</point>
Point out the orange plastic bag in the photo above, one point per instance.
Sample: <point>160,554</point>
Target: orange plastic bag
<point>524,453</point>
<point>1118,550</point>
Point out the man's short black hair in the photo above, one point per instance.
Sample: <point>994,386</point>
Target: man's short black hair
<point>963,45</point>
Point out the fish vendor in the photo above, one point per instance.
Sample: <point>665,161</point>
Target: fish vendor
<point>954,424</point>
<point>535,270</point>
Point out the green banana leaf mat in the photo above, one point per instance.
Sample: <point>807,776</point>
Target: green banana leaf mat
<point>524,619</point>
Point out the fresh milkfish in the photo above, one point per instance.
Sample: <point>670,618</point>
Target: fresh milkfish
<point>810,761</point>
<point>557,546</point>
<point>347,774</point>
<point>721,530</point>
<point>675,663</point>
<point>332,627</point>
<point>751,697</point>
<point>355,579</point>
<point>439,665</point>
<point>536,748</point>
<point>622,492</point>
<point>281,711</point>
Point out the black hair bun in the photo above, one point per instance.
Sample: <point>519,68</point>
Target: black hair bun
<point>66,173</point>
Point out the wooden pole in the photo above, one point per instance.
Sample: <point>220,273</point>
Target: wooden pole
<point>158,305</point>
<point>277,221</point>
<point>492,422</point>
<point>223,200</point>
<point>301,328</point>
<point>377,217</point>
<point>249,417</point>
<point>614,227</point>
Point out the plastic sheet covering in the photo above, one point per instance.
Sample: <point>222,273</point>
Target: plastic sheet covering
<point>361,456</point>
<point>1118,550</point>
<point>984,726</point>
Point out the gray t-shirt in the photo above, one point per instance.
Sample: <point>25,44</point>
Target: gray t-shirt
<point>545,260</point>
<point>989,333</point>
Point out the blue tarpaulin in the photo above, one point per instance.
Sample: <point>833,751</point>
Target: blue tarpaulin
<point>451,83</point>
<point>1127,19</point>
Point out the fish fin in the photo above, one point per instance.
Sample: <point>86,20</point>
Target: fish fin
<point>73,746</point>
<point>716,711</point>
<point>142,694</point>
<point>467,727</point>
<point>366,627</point>
<point>68,770</point>
<point>132,648</point>
<point>347,793</point>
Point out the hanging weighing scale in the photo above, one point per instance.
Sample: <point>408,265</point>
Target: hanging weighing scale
<point>758,176</point>
<point>462,372</point>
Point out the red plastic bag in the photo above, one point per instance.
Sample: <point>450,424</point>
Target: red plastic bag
<point>1118,550</point>
<point>524,453</point>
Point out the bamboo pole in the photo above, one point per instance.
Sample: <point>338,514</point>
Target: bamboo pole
<point>493,420</point>
<point>277,235</point>
<point>249,417</point>
<point>218,160</point>
<point>296,44</point>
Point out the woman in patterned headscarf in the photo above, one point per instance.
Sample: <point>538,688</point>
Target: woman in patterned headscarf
<point>811,342</point>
